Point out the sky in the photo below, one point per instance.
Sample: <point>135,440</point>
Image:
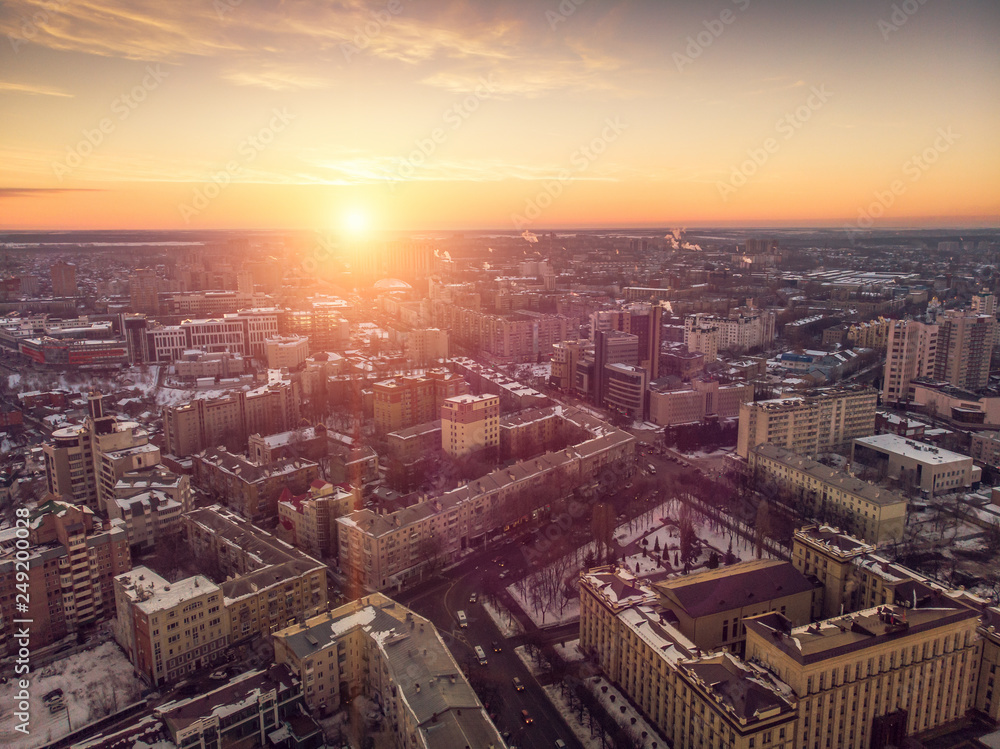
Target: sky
<point>500,114</point>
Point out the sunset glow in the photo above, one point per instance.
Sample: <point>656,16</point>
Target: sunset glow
<point>191,114</point>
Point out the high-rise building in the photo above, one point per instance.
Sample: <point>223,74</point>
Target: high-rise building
<point>144,291</point>
<point>984,303</point>
<point>758,246</point>
<point>643,320</point>
<point>612,347</point>
<point>565,356</point>
<point>470,423</point>
<point>964,348</point>
<point>63,279</point>
<point>911,349</point>
<point>85,462</point>
<point>229,419</point>
<point>71,560</point>
<point>625,390</point>
<point>404,402</point>
<point>816,422</point>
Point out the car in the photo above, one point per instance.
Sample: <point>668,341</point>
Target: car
<point>503,575</point>
<point>518,685</point>
<point>528,720</point>
<point>473,597</point>
<point>496,646</point>
<point>218,675</point>
<point>560,744</point>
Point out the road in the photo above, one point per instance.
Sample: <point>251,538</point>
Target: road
<point>439,600</point>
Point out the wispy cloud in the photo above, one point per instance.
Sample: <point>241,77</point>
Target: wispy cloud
<point>303,45</point>
<point>32,89</point>
<point>39,192</point>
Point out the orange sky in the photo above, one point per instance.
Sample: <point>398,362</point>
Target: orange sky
<point>405,115</point>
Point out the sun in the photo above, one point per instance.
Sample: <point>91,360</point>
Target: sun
<point>355,222</point>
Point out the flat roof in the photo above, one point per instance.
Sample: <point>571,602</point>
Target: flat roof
<point>911,449</point>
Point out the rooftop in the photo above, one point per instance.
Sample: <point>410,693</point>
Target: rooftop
<point>733,586</point>
<point>912,450</point>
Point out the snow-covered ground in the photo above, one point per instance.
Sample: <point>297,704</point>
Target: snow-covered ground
<point>94,683</point>
<point>507,624</point>
<point>628,717</point>
<point>527,660</point>
<point>581,731</point>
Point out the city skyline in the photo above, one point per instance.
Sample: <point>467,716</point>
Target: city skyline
<point>399,116</point>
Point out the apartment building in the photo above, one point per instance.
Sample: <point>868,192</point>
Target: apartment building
<point>865,510</point>
<point>672,403</point>
<point>63,279</point>
<point>380,550</point>
<point>72,557</point>
<point>986,448</point>
<point>816,422</point>
<point>150,503</point>
<point>743,329</point>
<point>144,291</point>
<point>404,402</point>
<point>521,336</point>
<point>703,339</point>
<point>514,395</point>
<point>248,488</point>
<point>565,356</point>
<point>955,349</point>
<point>247,711</point>
<point>169,629</point>
<point>873,334</point>
<point>918,465</point>
<point>85,461</point>
<point>376,648</point>
<point>309,519</point>
<point>532,431</point>
<point>228,420</point>
<point>469,424</point>
<point>323,322</point>
<point>964,348</point>
<point>268,584</point>
<point>286,352</point>
<point>311,443</point>
<point>423,346</point>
